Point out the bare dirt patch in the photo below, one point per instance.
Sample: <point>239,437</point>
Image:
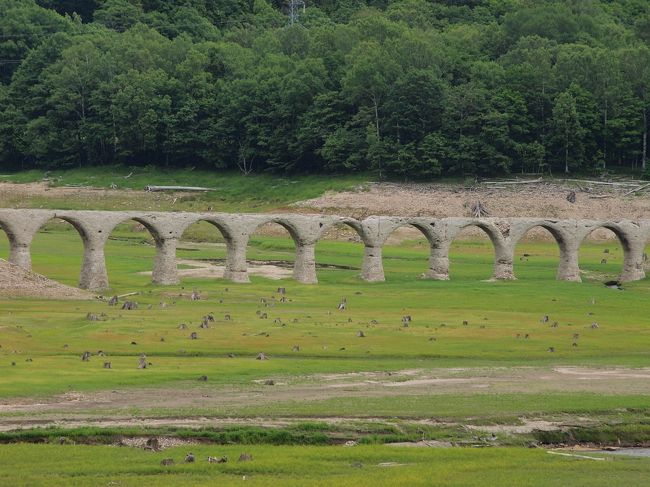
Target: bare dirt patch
<point>203,269</point>
<point>410,382</point>
<point>546,200</point>
<point>18,282</point>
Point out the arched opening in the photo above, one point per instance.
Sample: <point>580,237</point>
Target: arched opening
<point>406,252</point>
<point>130,251</point>
<point>57,251</point>
<point>339,253</point>
<point>537,254</point>
<point>4,244</point>
<point>601,254</point>
<point>201,252</point>
<point>271,250</point>
<point>471,254</point>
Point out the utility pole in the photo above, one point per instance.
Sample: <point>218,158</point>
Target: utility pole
<point>294,10</point>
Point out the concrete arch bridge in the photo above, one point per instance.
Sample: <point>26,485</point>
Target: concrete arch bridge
<point>166,228</point>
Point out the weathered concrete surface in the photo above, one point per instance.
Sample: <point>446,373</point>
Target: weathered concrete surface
<point>94,228</point>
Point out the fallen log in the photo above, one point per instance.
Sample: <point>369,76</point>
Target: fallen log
<point>636,189</point>
<point>177,188</point>
<point>607,183</point>
<point>528,181</point>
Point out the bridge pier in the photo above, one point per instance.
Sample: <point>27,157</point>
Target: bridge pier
<point>236,265</point>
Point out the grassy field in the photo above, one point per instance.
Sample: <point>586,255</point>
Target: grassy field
<point>358,466</point>
<point>45,340</point>
<point>231,191</point>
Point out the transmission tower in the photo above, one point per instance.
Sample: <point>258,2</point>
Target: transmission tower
<point>294,10</point>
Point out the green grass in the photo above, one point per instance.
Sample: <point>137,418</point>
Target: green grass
<point>232,191</point>
<point>311,465</point>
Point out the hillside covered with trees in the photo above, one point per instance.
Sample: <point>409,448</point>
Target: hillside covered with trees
<point>416,88</point>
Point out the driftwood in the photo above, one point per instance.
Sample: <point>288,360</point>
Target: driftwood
<point>600,196</point>
<point>128,294</point>
<point>529,181</point>
<point>607,183</point>
<point>636,189</point>
<point>154,189</point>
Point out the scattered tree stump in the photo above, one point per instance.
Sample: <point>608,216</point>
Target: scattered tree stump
<point>203,378</point>
<point>606,251</point>
<point>182,326</point>
<point>282,290</point>
<point>361,334</point>
<point>295,348</point>
<point>227,317</point>
<point>269,382</point>
<point>195,296</point>
<point>107,365</point>
<point>167,461</point>
<point>245,457</point>
<point>142,362</point>
<point>113,301</point>
<point>129,305</point>
<point>465,322</point>
<point>152,444</point>
<point>85,357</point>
<point>571,197</point>
<point>343,304</point>
<point>194,336</point>
<point>223,459</point>
<point>551,349</point>
<point>261,356</point>
<point>594,325</point>
<point>92,317</point>
<point>189,458</point>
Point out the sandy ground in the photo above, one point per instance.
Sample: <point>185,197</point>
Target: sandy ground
<point>84,408</point>
<point>197,268</point>
<point>16,281</point>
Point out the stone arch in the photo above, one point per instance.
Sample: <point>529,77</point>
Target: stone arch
<point>632,241</point>
<point>426,227</point>
<point>349,224</point>
<point>559,237</point>
<point>498,232</point>
<point>79,230</point>
<point>164,235</point>
<point>235,268</point>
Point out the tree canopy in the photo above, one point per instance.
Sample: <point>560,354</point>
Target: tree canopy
<point>412,88</point>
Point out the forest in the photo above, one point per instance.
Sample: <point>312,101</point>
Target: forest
<point>413,89</point>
